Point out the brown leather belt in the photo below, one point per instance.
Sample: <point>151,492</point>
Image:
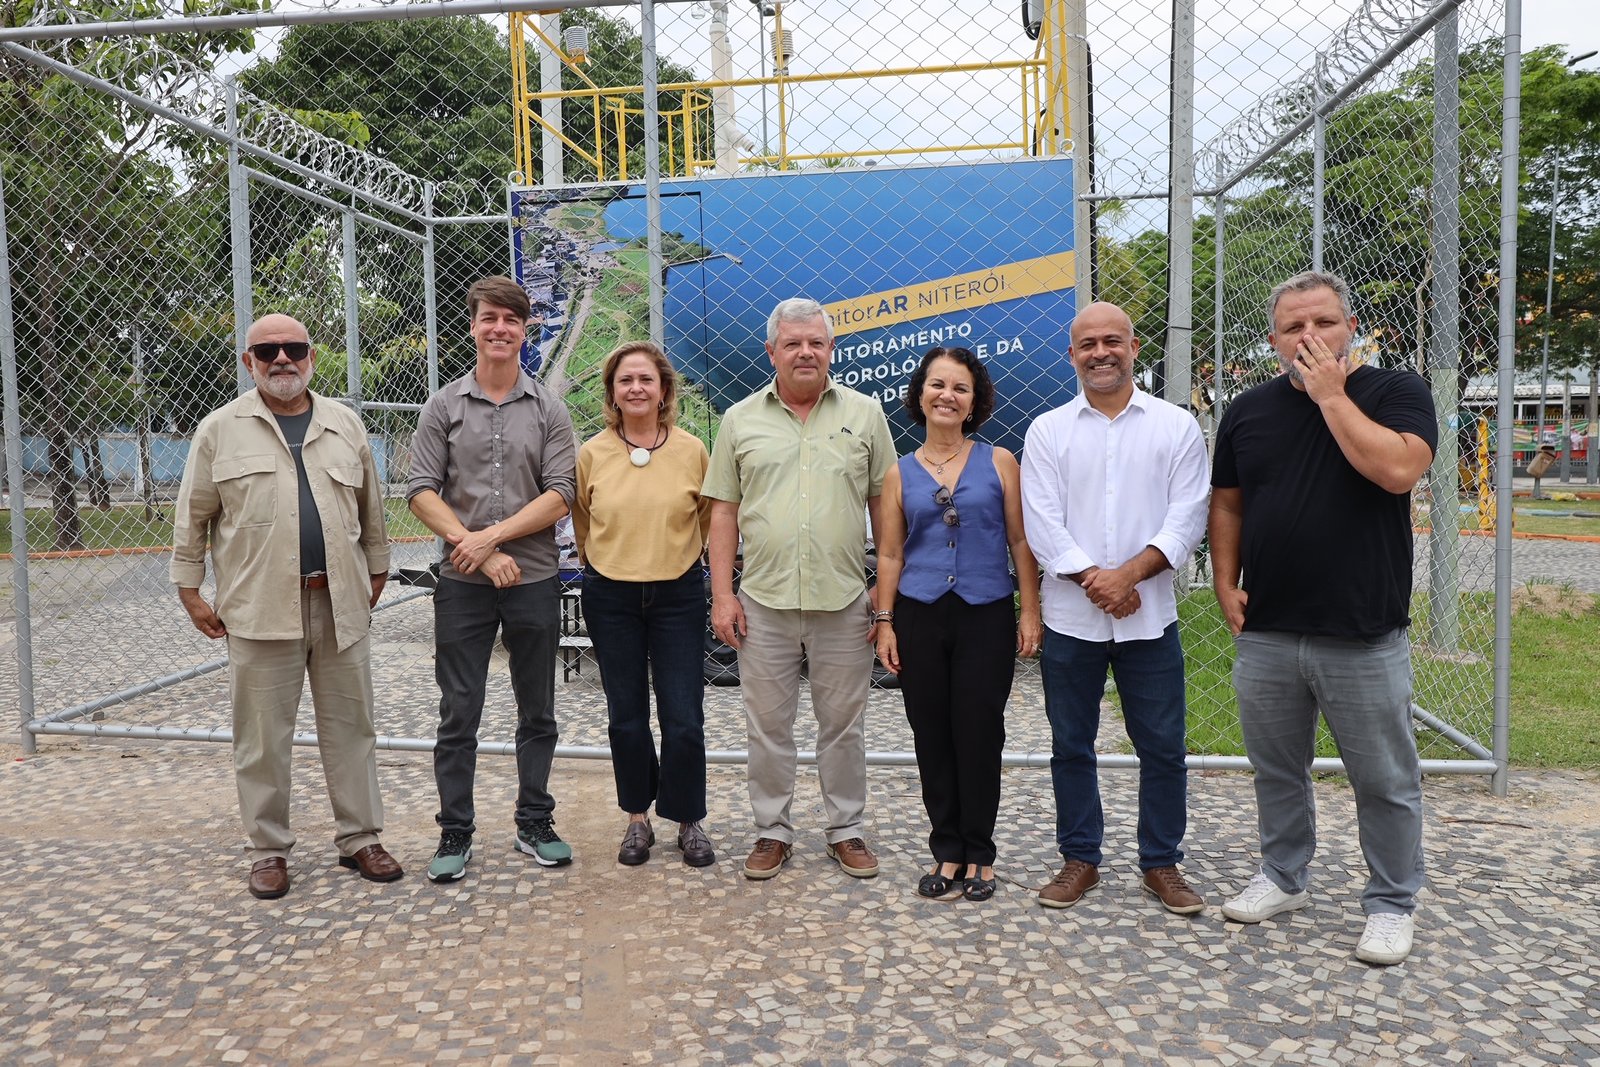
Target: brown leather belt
<point>314,581</point>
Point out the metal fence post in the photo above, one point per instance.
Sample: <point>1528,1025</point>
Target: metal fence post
<point>1319,177</point>
<point>652,174</point>
<point>1180,211</point>
<point>430,294</point>
<point>1510,120</point>
<point>14,474</point>
<point>239,223</point>
<point>1444,330</point>
<point>352,323</point>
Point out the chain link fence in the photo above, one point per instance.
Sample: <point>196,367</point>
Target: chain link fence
<point>932,173</point>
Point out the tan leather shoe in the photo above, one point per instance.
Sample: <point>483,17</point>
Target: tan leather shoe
<point>855,858</point>
<point>767,858</point>
<point>1070,884</point>
<point>269,878</point>
<point>1168,886</point>
<point>374,863</point>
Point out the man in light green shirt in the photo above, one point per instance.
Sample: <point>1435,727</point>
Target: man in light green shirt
<point>796,468</point>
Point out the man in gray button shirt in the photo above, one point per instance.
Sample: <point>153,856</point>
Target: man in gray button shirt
<point>493,469</point>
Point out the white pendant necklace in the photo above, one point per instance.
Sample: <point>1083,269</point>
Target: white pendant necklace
<point>639,455</point>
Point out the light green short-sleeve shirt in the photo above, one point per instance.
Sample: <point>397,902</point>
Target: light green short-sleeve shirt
<point>802,490</point>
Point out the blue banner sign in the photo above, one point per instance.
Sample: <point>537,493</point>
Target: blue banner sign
<point>980,256</point>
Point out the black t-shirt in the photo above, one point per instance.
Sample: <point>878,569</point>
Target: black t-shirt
<point>313,552</point>
<point>1324,551</point>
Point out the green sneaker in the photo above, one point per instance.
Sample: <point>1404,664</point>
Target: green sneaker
<point>450,862</point>
<point>538,839</point>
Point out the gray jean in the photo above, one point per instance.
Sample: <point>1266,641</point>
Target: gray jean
<point>1364,691</point>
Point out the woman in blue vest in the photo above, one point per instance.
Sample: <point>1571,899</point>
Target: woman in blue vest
<point>950,511</point>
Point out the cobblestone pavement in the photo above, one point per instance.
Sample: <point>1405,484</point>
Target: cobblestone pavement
<point>129,935</point>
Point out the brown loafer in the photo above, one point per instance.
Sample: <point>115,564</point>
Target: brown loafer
<point>855,858</point>
<point>1070,884</point>
<point>767,858</point>
<point>1168,886</point>
<point>269,878</point>
<point>374,863</point>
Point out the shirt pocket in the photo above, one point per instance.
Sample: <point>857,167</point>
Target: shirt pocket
<point>844,455</point>
<point>248,487</point>
<point>347,487</point>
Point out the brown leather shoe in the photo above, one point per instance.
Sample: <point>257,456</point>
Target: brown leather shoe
<point>1070,884</point>
<point>855,858</point>
<point>374,863</point>
<point>269,878</point>
<point>1168,886</point>
<point>767,858</point>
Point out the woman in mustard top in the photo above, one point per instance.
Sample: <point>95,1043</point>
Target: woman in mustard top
<point>640,525</point>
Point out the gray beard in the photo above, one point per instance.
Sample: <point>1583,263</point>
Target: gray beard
<point>280,386</point>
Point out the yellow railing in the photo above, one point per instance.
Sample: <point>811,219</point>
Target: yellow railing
<point>1042,129</point>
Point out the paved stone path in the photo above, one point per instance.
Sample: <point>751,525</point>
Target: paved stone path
<point>129,936</point>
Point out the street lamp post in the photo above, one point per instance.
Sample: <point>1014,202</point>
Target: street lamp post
<point>1549,293</point>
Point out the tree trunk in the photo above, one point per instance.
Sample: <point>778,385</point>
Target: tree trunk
<point>63,488</point>
<point>94,470</point>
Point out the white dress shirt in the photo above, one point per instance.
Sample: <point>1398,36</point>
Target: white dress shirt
<point>1096,491</point>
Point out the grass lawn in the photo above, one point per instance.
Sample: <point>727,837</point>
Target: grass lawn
<point>1571,517</point>
<point>1554,703</point>
<point>125,526</point>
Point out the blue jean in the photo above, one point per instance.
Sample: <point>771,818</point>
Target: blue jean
<point>1149,676</point>
<point>648,633</point>
<point>1364,691</point>
<point>466,617</point>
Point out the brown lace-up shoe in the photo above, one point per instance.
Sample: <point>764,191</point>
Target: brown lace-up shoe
<point>1070,884</point>
<point>855,858</point>
<point>767,858</point>
<point>1168,886</point>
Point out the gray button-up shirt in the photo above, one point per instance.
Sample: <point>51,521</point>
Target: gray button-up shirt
<point>487,461</point>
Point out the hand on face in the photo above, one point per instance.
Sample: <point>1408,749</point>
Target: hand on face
<point>1321,370</point>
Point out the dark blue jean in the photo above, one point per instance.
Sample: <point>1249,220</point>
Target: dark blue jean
<point>1149,676</point>
<point>466,618</point>
<point>644,633</point>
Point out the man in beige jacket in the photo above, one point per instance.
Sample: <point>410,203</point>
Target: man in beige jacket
<point>282,485</point>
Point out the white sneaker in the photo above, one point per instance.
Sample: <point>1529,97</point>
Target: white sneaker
<point>1387,938</point>
<point>1262,899</point>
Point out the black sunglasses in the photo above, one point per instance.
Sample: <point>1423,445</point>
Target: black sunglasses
<point>267,351</point>
<point>952,517</point>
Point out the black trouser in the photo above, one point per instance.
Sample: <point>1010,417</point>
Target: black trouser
<point>466,617</point>
<point>956,665</point>
<point>646,632</point>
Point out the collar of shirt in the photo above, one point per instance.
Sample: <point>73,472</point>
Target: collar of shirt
<point>256,408</point>
<point>771,392</point>
<point>1080,404</point>
<point>468,386</point>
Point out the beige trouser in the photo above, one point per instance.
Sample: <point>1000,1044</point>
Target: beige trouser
<point>265,679</point>
<point>840,665</point>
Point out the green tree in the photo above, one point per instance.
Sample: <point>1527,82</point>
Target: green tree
<point>97,231</point>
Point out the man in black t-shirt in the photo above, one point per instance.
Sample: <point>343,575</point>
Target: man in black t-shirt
<point>1311,487</point>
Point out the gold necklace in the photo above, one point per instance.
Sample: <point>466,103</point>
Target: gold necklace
<point>938,465</point>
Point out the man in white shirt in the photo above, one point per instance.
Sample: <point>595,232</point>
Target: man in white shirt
<point>1114,488</point>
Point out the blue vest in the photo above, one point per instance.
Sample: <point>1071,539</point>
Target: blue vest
<point>971,559</point>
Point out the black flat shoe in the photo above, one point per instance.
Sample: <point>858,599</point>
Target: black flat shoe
<point>978,889</point>
<point>935,885</point>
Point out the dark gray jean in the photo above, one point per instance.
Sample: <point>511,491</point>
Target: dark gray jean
<point>466,618</point>
<point>1364,691</point>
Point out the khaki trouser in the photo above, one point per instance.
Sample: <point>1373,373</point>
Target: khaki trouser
<point>265,679</point>
<point>840,661</point>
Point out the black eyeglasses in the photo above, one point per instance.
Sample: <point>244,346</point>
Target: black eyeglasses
<point>951,516</point>
<point>267,351</point>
